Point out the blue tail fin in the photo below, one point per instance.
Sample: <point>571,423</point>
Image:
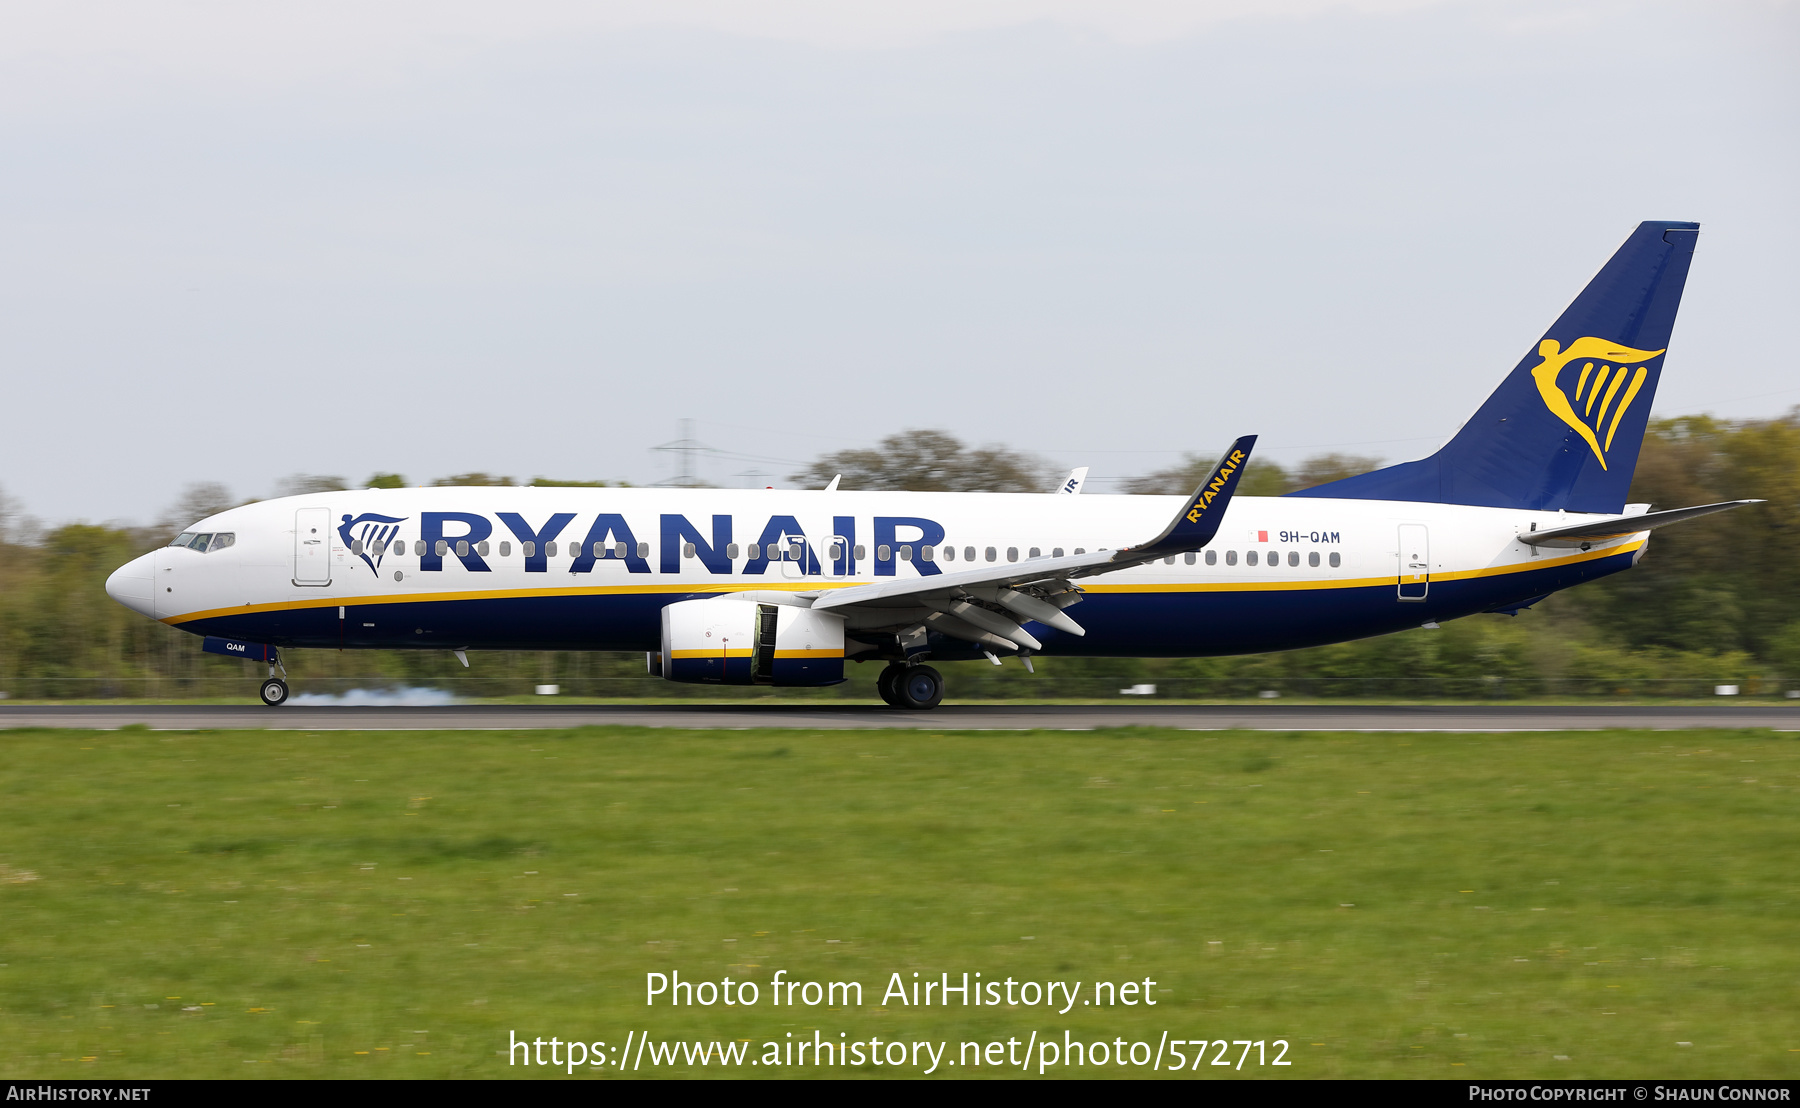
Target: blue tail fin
<point>1564,428</point>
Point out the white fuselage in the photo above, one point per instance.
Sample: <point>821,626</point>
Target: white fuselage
<point>363,568</point>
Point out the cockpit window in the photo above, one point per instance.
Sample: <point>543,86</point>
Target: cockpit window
<point>204,542</point>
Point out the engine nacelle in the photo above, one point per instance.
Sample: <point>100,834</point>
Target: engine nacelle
<point>734,641</point>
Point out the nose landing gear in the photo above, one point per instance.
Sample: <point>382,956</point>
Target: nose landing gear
<point>274,690</point>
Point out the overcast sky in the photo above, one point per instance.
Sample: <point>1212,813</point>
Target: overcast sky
<point>241,240</point>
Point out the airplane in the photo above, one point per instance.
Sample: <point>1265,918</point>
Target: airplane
<point>782,587</point>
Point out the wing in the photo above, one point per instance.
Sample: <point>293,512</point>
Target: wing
<point>988,606</point>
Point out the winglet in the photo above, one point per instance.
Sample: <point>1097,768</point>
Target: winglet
<point>1200,516</point>
<point>1072,483</point>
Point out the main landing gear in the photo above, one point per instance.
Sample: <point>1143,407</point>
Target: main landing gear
<point>916,688</point>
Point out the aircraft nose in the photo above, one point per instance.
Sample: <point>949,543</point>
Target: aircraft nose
<point>134,585</point>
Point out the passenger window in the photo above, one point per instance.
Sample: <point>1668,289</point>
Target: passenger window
<point>1081,550</point>
<point>1212,557</point>
<point>991,554</point>
<point>1035,552</point>
<point>1294,558</point>
<point>949,553</point>
<point>861,552</point>
<point>643,550</point>
<point>1250,558</point>
<point>1056,552</point>
<point>906,553</point>
<point>505,549</point>
<point>883,553</point>
<point>926,553</point>
<point>969,554</point>
<point>1188,557</point>
<point>462,548</point>
<point>1312,559</point>
<point>481,548</point>
<point>687,550</point>
<point>419,548</point>
<point>529,549</point>
<point>1335,560</point>
<point>731,550</point>
<point>1169,561</point>
<point>550,548</point>
<point>443,547</point>
<point>1231,557</point>
<point>222,540</point>
<point>356,546</point>
<point>1012,553</point>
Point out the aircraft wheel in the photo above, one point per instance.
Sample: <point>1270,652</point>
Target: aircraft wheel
<point>885,685</point>
<point>919,688</point>
<point>274,692</point>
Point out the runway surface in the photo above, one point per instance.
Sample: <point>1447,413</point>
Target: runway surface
<point>983,717</point>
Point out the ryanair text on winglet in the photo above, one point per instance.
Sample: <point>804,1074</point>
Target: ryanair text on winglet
<point>1219,481</point>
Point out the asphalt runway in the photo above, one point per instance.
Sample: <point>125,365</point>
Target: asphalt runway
<point>982,717</point>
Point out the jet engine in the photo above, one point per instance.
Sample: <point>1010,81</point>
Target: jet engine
<point>738,641</point>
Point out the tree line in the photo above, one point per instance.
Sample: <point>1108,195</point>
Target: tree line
<point>1715,602</point>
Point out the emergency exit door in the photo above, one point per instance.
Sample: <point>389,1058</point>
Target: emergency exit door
<point>1415,561</point>
<point>312,546</point>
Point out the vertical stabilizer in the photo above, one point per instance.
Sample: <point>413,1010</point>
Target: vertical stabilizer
<point>1563,430</point>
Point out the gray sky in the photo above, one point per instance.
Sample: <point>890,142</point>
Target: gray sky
<point>240,241</point>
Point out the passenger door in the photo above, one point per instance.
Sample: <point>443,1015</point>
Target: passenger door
<point>1415,561</point>
<point>312,546</point>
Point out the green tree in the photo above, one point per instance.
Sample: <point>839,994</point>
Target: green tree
<point>472,480</point>
<point>300,484</point>
<point>931,461</point>
<point>1261,478</point>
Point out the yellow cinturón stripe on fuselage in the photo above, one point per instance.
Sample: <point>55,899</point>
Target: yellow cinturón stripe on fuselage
<point>745,653</point>
<point>1370,582</point>
<point>721,588</point>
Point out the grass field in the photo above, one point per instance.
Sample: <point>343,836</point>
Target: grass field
<point>348,905</point>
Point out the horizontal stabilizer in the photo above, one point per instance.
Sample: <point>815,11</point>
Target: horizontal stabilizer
<point>1586,534</point>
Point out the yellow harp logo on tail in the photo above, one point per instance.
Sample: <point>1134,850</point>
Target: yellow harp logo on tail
<point>1605,376</point>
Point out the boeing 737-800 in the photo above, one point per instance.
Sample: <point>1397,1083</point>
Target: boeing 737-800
<point>782,588</point>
